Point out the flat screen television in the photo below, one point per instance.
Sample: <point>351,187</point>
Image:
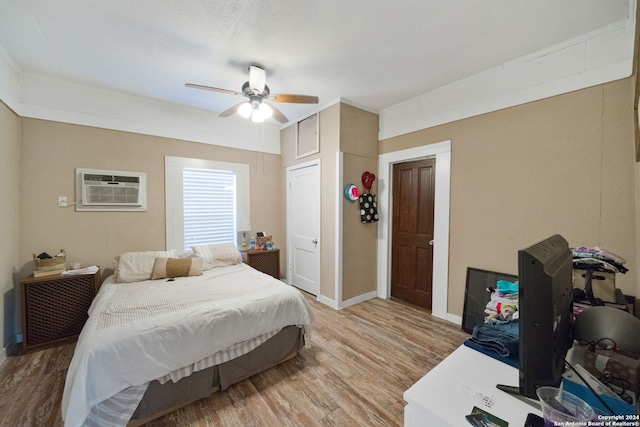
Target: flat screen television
<point>546,313</point>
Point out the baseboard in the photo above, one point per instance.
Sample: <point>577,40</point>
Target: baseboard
<point>454,319</point>
<point>344,304</point>
<point>359,299</point>
<point>328,301</point>
<point>370,295</point>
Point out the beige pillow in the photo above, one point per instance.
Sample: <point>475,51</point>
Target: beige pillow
<point>218,255</point>
<point>176,267</point>
<point>137,266</point>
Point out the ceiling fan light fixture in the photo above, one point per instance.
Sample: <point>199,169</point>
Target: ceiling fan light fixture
<point>257,117</point>
<point>265,110</point>
<point>245,110</point>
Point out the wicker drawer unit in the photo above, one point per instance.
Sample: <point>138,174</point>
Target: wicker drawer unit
<point>54,308</point>
<point>266,261</point>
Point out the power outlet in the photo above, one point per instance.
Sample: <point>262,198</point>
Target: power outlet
<point>62,201</point>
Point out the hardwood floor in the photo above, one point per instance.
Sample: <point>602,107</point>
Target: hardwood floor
<point>361,361</point>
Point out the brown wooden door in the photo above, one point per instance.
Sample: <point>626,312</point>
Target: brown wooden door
<point>412,234</point>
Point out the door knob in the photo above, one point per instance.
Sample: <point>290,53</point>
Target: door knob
<point>431,242</point>
<point>314,241</point>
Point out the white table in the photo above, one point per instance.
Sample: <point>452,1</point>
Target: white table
<point>438,400</point>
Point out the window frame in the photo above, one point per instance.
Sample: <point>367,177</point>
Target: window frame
<point>174,209</point>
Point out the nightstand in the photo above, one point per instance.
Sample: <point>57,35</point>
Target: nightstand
<point>54,308</point>
<point>266,261</point>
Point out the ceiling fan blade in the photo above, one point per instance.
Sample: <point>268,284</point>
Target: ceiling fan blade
<point>214,89</point>
<point>295,99</point>
<point>228,112</point>
<point>277,114</point>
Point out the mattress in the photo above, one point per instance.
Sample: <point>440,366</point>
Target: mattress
<point>165,330</point>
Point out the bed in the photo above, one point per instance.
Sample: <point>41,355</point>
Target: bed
<point>165,331</point>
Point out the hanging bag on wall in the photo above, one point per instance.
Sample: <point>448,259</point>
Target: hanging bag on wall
<point>368,208</point>
<point>368,201</point>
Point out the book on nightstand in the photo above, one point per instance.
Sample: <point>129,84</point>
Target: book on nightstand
<point>48,273</point>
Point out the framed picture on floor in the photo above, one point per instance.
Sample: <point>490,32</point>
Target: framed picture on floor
<point>476,295</point>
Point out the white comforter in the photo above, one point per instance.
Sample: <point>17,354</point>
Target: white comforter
<point>141,331</point>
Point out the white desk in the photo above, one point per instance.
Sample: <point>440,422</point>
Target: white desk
<point>437,398</point>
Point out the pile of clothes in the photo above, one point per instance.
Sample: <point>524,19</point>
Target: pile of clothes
<point>503,305</point>
<point>500,329</point>
<point>606,260</point>
<point>593,260</point>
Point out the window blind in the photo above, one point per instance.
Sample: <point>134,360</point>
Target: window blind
<point>209,205</point>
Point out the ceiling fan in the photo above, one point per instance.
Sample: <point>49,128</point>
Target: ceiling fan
<point>258,92</point>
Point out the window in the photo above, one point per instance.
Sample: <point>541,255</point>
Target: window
<point>204,200</point>
<point>209,206</point>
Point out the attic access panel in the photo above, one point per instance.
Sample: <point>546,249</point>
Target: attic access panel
<point>308,136</point>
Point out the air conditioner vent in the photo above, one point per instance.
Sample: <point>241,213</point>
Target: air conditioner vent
<point>111,190</point>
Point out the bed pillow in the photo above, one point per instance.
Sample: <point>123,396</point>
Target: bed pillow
<point>218,255</point>
<point>176,267</point>
<point>138,266</point>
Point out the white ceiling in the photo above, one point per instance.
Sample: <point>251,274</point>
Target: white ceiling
<point>374,54</point>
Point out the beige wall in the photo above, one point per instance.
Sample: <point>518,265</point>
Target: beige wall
<point>51,151</point>
<point>359,241</point>
<point>359,144</point>
<point>9,241</point>
<point>329,146</point>
<point>560,165</point>
<point>354,132</point>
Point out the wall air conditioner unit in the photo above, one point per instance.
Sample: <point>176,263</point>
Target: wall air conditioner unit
<point>107,190</point>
